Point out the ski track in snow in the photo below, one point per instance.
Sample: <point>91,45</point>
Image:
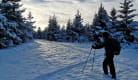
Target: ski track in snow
<point>45,60</point>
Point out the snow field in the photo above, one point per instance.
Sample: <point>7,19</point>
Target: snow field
<point>45,60</point>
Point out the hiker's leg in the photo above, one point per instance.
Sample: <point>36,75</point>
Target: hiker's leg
<point>105,65</point>
<point>112,67</point>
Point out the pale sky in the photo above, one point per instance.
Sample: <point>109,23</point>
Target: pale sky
<point>65,9</point>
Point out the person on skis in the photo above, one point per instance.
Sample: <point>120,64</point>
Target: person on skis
<point>109,53</point>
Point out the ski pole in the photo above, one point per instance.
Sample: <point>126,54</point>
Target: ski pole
<point>93,59</point>
<point>86,61</point>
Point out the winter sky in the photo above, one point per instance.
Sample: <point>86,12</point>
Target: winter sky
<point>65,9</point>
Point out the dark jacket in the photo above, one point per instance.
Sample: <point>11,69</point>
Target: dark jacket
<point>107,44</point>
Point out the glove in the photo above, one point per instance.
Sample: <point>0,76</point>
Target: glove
<point>93,46</point>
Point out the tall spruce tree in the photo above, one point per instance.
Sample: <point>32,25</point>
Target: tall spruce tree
<point>113,16</point>
<point>101,19</point>
<point>101,22</point>
<point>95,21</point>
<point>126,16</point>
<point>77,23</point>
<point>39,33</point>
<point>53,29</point>
<point>69,31</point>
<point>114,21</point>
<point>16,28</point>
<point>78,27</point>
<point>3,32</point>
<point>30,26</point>
<point>69,25</point>
<point>11,26</point>
<point>70,34</point>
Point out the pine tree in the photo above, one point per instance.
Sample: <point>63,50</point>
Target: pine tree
<point>3,32</point>
<point>6,9</point>
<point>53,29</point>
<point>10,9</point>
<point>63,34</point>
<point>101,23</point>
<point>29,22</point>
<point>45,33</point>
<point>126,17</point>
<point>114,21</point>
<point>113,16</point>
<point>16,16</point>
<point>70,36</point>
<point>77,23</point>
<point>16,28</point>
<point>126,11</point>
<point>90,31</point>
<point>103,18</point>
<point>39,33</point>
<point>78,27</point>
<point>87,32</point>
<point>95,21</point>
<point>69,25</point>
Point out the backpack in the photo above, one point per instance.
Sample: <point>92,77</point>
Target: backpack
<point>116,47</point>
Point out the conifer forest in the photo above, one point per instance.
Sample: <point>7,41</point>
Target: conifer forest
<point>16,29</point>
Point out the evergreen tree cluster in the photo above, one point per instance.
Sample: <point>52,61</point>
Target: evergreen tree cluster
<point>14,28</point>
<point>74,32</point>
<point>119,23</point>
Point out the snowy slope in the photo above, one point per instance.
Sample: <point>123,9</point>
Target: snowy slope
<point>44,60</point>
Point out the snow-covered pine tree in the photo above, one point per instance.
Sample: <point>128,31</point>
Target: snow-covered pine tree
<point>113,17</point>
<point>3,32</point>
<point>29,22</point>
<point>69,25</point>
<point>53,29</point>
<point>114,22</point>
<point>16,16</point>
<point>10,26</point>
<point>38,34</point>
<point>134,28</point>
<point>63,33</point>
<point>95,21</point>
<point>44,33</point>
<point>126,17</point>
<point>103,18</point>
<point>101,22</point>
<point>16,27</point>
<point>89,30</point>
<point>69,31</point>
<point>78,27</point>
<point>94,28</point>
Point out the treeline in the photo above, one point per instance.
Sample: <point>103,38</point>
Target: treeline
<point>120,23</point>
<point>14,28</point>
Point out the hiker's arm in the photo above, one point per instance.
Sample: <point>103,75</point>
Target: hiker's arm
<point>98,46</point>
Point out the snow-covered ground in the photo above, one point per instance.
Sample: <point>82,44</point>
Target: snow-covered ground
<point>44,60</point>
